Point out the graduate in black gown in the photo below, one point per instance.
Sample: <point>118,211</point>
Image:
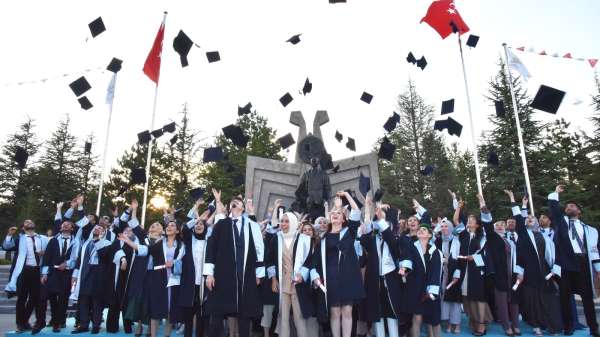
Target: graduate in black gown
<point>234,267</point>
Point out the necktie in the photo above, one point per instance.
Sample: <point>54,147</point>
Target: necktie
<point>37,258</point>
<point>64,248</point>
<point>575,235</point>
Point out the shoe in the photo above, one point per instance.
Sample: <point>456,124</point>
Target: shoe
<point>35,331</point>
<point>517,332</point>
<point>10,294</point>
<point>55,329</point>
<point>79,330</point>
<point>95,330</point>
<point>569,332</point>
<point>595,333</point>
<point>579,326</point>
<point>509,333</point>
<point>27,327</point>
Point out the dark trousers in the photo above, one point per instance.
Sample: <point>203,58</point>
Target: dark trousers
<point>112,319</point>
<point>58,308</point>
<point>89,304</point>
<point>28,295</point>
<point>578,282</point>
<point>215,328</point>
<point>195,311</point>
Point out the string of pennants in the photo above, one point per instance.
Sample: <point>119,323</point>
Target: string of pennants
<point>592,62</point>
<point>52,78</point>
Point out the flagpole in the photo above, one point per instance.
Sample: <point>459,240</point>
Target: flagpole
<point>519,134</point>
<point>149,155</point>
<point>473,141</point>
<point>107,137</point>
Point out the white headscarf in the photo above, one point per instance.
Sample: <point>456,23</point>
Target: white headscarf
<point>293,228</point>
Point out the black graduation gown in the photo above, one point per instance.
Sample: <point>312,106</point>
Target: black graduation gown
<point>476,277</point>
<point>373,307</point>
<point>453,294</point>
<point>220,252</point>
<point>59,282</point>
<point>267,296</point>
<point>303,290</point>
<point>498,259</point>
<point>187,289</point>
<point>94,280</point>
<point>159,304</point>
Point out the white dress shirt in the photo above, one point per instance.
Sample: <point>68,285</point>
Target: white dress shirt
<point>30,258</point>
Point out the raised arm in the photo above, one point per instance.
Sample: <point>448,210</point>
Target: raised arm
<point>486,216</point>
<point>556,213</point>
<point>422,213</point>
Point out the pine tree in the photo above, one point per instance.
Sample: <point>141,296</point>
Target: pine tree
<point>465,183</point>
<point>222,175</point>
<point>87,172</point>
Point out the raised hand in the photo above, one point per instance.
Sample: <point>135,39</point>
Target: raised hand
<point>12,231</point>
<point>79,200</point>
<point>250,206</point>
<point>525,201</point>
<point>559,188</point>
<point>510,194</point>
<point>59,205</point>
<point>452,194</point>
<point>217,195</point>
<point>115,211</point>
<point>134,204</point>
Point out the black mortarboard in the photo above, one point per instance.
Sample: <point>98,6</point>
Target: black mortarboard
<point>157,133</point>
<point>448,106</point>
<point>338,136</point>
<point>364,184</point>
<point>144,137</point>
<point>21,156</point>
<point>337,1</point>
<point>396,117</point>
<point>366,97</point>
<point>307,87</point>
<point>197,193</point>
<point>386,150</point>
<point>170,128</point>
<point>440,125</point>
<point>548,99</point>
<point>427,170</point>
<point>213,154</point>
<point>492,158</point>
<point>472,41</point>
<point>87,147</point>
<point>173,140</point>
<point>454,127</point>
<point>335,169</point>
<point>411,58</point>
<point>500,110</point>
<point>182,45</point>
<point>85,103</point>
<point>239,180</point>
<point>97,27</point>
<point>80,86</point>
<point>244,110</point>
<point>422,63</point>
<point>286,99</point>
<point>236,135</point>
<point>378,194</point>
<point>390,124</point>
<point>213,56</point>
<point>138,176</point>
<point>350,144</point>
<point>286,141</point>
<point>114,65</point>
<point>391,215</point>
<point>294,39</point>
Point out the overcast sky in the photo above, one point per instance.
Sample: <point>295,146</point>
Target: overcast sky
<point>345,49</point>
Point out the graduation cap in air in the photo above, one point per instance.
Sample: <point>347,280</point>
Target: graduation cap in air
<point>138,176</point>
<point>422,63</point>
<point>337,1</point>
<point>197,193</point>
<point>170,128</point>
<point>245,109</point>
<point>213,56</point>
<point>326,162</point>
<point>391,215</point>
<point>427,170</point>
<point>336,169</point>
<point>286,141</point>
<point>286,99</point>
<point>350,144</point>
<point>411,58</point>
<point>294,39</point>
<point>213,154</point>
<point>236,135</point>
<point>87,147</point>
<point>364,184</point>
<point>307,87</point>
<point>338,136</point>
<point>173,140</point>
<point>448,106</point>
<point>472,41</point>
<point>440,125</point>
<point>500,109</point>
<point>144,137</point>
<point>157,133</point>
<point>21,157</point>
<point>238,180</point>
<point>391,122</point>
<point>548,99</point>
<point>492,158</point>
<point>386,149</point>
<point>85,103</point>
<point>454,127</point>
<point>114,65</point>
<point>366,97</point>
<point>182,45</point>
<point>97,27</point>
<point>80,86</point>
<point>378,194</point>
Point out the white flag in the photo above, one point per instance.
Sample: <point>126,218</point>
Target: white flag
<point>110,91</point>
<point>515,63</point>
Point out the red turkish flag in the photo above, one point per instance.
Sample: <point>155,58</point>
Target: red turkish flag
<point>152,65</point>
<point>441,15</point>
<point>568,56</point>
<point>521,48</point>
<point>593,62</point>
<point>543,52</point>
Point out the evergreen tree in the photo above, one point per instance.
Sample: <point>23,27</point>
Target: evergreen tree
<point>87,172</point>
<point>464,181</point>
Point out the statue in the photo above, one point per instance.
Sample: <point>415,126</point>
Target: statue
<point>314,187</point>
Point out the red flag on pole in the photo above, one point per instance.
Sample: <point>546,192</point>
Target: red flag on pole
<point>152,65</point>
<point>568,56</point>
<point>593,62</point>
<point>442,15</point>
<point>521,48</point>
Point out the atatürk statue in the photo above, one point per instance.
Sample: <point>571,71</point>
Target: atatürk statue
<point>313,190</point>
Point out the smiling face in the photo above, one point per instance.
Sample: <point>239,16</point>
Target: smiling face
<point>285,223</point>
<point>199,227</point>
<point>155,230</point>
<point>236,207</point>
<point>423,233</point>
<point>336,217</point>
<point>66,227</point>
<point>307,229</point>
<point>500,227</point>
<point>172,229</point>
<point>472,224</point>
<point>531,222</point>
<point>511,224</point>
<point>545,221</point>
<point>444,228</point>
<point>413,223</point>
